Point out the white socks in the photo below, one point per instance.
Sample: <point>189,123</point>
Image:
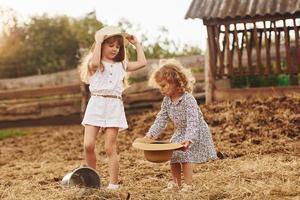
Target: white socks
<point>113,186</point>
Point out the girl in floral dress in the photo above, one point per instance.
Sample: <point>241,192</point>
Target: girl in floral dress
<point>179,106</point>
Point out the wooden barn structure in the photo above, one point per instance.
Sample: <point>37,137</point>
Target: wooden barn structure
<point>250,40</point>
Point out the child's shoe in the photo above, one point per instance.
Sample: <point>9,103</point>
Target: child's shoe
<point>113,186</point>
<point>186,188</point>
<point>171,186</point>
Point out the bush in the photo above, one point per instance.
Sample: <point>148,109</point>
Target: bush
<point>261,81</point>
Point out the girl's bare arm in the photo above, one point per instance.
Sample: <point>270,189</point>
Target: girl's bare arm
<point>141,59</point>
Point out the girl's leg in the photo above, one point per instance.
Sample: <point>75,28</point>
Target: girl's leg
<point>90,133</point>
<point>187,172</point>
<point>111,151</point>
<point>176,173</point>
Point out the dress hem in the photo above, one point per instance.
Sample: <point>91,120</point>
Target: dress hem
<point>106,125</point>
<point>202,161</point>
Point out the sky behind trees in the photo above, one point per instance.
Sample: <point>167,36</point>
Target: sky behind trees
<point>147,17</point>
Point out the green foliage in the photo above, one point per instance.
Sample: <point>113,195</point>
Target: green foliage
<point>10,133</point>
<point>51,44</point>
<point>46,45</point>
<point>261,81</point>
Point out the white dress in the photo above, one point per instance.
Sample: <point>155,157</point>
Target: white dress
<point>106,111</point>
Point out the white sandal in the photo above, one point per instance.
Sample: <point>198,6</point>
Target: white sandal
<point>186,188</point>
<point>170,187</point>
<point>113,186</point>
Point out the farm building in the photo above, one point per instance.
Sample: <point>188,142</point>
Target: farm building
<point>253,45</point>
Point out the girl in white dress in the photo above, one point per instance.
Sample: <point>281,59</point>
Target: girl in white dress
<point>104,70</point>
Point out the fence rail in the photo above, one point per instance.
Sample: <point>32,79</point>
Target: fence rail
<point>17,106</point>
<point>40,92</point>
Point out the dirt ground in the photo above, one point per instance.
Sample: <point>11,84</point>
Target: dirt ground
<point>257,142</point>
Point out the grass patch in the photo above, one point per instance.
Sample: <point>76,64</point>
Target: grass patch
<point>11,133</point>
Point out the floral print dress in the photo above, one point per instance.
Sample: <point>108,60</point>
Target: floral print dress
<point>190,125</point>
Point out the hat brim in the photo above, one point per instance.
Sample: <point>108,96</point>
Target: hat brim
<point>123,34</point>
<point>153,145</point>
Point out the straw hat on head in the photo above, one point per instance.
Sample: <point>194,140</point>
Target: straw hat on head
<point>156,151</point>
<point>109,31</point>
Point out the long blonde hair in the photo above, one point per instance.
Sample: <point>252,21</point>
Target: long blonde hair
<point>83,67</point>
<point>173,72</point>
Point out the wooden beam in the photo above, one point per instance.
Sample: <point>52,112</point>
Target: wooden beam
<point>262,29</point>
<point>151,95</point>
<point>247,93</point>
<point>248,19</point>
<point>40,92</point>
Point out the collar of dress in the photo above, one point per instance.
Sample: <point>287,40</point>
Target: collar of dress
<point>177,101</point>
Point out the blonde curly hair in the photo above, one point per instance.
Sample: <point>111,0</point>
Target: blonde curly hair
<point>173,72</point>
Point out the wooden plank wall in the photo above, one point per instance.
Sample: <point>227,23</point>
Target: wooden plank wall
<point>243,49</point>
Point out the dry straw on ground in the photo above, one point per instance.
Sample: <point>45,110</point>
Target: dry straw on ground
<point>258,141</point>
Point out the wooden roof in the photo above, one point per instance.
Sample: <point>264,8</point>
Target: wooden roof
<point>221,9</point>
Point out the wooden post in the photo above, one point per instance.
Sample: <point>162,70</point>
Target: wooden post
<point>209,79</point>
<point>222,67</point>
<point>211,48</point>
<point>228,52</point>
<point>277,47</point>
<point>287,48</point>
<point>258,56</point>
<point>220,57</point>
<point>248,49</point>
<point>297,46</point>
<point>268,54</point>
<point>294,51</point>
<point>236,41</point>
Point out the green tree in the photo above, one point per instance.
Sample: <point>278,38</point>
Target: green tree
<point>46,44</point>
<point>50,44</point>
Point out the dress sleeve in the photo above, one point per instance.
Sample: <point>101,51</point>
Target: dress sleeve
<point>192,119</point>
<point>160,122</point>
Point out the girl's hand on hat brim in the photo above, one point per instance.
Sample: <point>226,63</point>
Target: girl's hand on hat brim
<point>185,145</point>
<point>149,137</point>
<point>132,39</point>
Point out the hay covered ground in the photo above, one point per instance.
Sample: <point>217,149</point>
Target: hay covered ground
<point>258,143</point>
